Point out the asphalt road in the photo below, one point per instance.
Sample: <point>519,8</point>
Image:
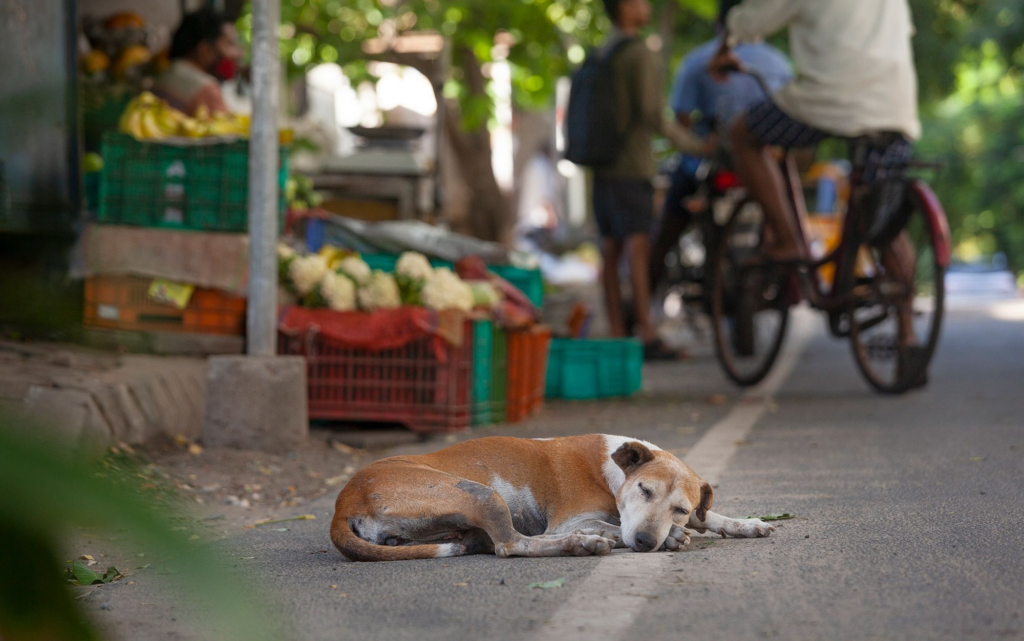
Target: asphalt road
<point>910,522</point>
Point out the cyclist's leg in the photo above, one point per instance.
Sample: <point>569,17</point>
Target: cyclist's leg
<point>762,175</point>
<point>899,260</point>
<point>675,218</point>
<point>765,125</point>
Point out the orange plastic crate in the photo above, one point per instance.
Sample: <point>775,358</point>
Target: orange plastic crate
<point>122,302</point>
<point>527,363</point>
<point>410,385</point>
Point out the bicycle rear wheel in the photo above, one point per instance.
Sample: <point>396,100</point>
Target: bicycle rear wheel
<point>899,302</point>
<point>749,304</point>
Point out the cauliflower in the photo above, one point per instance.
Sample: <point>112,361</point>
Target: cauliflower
<point>338,292</point>
<point>485,295</point>
<point>445,290</point>
<point>380,292</point>
<point>284,252</point>
<point>355,268</point>
<point>414,265</point>
<point>306,272</point>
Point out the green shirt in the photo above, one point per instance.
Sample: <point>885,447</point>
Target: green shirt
<point>640,111</point>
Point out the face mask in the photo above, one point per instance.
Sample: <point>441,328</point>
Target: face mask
<point>225,69</point>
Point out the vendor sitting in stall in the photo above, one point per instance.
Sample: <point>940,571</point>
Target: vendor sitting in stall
<point>204,53</point>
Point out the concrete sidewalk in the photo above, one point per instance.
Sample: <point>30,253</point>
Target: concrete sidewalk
<point>103,397</point>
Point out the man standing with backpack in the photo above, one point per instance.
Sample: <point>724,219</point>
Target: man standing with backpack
<point>615,110</point>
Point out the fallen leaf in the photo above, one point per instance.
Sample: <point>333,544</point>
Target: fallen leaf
<point>195,449</point>
<point>194,537</point>
<point>343,595</point>
<point>335,481</point>
<point>246,558</point>
<point>345,449</point>
<point>460,585</point>
<point>775,517</point>
<point>280,529</point>
<point>80,573</point>
<point>88,559</point>
<point>741,442</point>
<point>717,399</point>
<point>301,517</point>
<point>977,459</point>
<point>547,585</point>
<point>181,440</point>
<point>334,587</point>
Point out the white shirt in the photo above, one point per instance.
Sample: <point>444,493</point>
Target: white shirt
<point>855,65</point>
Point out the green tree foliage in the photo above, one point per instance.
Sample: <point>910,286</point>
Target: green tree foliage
<point>542,39</point>
<point>970,58</point>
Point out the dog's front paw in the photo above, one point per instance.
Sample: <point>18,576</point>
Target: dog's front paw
<point>678,538</point>
<point>748,529</point>
<point>587,545</point>
<point>614,535</point>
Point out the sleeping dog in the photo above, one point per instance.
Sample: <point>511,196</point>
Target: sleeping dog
<point>579,495</point>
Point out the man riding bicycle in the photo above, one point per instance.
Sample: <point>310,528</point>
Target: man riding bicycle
<point>706,106</point>
<point>855,77</point>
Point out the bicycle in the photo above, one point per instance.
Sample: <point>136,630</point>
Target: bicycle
<point>887,293</point>
<point>685,272</point>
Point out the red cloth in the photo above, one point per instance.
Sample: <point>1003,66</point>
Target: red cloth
<point>383,329</point>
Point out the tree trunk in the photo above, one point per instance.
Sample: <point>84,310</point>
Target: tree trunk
<point>489,208</point>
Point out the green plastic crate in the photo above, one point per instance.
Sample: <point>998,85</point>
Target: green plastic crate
<point>387,262</point>
<point>483,349</point>
<point>203,187</point>
<point>528,281</point>
<point>490,362</point>
<point>589,369</point>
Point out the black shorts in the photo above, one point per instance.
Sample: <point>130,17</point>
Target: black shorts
<point>623,207</point>
<point>773,127</point>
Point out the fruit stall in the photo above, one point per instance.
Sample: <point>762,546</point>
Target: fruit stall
<point>399,321</point>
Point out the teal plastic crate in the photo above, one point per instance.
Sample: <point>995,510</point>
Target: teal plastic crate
<point>202,187</point>
<point>387,262</point>
<point>589,369</point>
<point>483,350</point>
<point>528,281</point>
<point>490,362</point>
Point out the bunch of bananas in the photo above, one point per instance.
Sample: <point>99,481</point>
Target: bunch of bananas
<point>148,118</point>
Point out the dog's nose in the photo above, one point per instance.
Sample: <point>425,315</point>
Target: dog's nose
<point>644,542</point>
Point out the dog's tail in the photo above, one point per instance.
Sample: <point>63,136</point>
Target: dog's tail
<point>356,549</point>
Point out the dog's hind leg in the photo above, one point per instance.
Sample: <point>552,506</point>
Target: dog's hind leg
<point>493,517</point>
<point>434,514</point>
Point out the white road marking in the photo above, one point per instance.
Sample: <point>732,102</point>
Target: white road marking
<point>614,594</point>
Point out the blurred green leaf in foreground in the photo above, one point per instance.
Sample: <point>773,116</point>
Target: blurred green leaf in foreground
<point>45,494</point>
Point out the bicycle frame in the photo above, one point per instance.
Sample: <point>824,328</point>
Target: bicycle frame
<point>836,299</point>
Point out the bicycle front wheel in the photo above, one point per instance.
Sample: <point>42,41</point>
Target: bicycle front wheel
<point>899,302</point>
<point>749,302</point>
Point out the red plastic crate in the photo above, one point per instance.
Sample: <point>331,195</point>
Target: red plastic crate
<point>527,369</point>
<point>408,385</point>
<point>123,302</point>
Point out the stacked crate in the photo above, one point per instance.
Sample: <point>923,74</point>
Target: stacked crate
<point>200,188</point>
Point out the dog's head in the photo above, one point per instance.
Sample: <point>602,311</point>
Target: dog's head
<point>659,490</point>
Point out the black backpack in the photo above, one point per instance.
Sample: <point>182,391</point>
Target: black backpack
<point>592,128</point>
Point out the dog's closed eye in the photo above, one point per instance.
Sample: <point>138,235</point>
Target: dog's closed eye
<point>647,492</point>
<point>681,511</point>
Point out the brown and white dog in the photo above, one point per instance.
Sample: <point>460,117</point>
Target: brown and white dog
<point>579,495</point>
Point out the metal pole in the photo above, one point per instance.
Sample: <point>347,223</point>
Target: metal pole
<point>263,187</point>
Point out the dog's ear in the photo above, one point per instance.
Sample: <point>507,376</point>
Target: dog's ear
<point>707,496</point>
<point>631,456</point>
